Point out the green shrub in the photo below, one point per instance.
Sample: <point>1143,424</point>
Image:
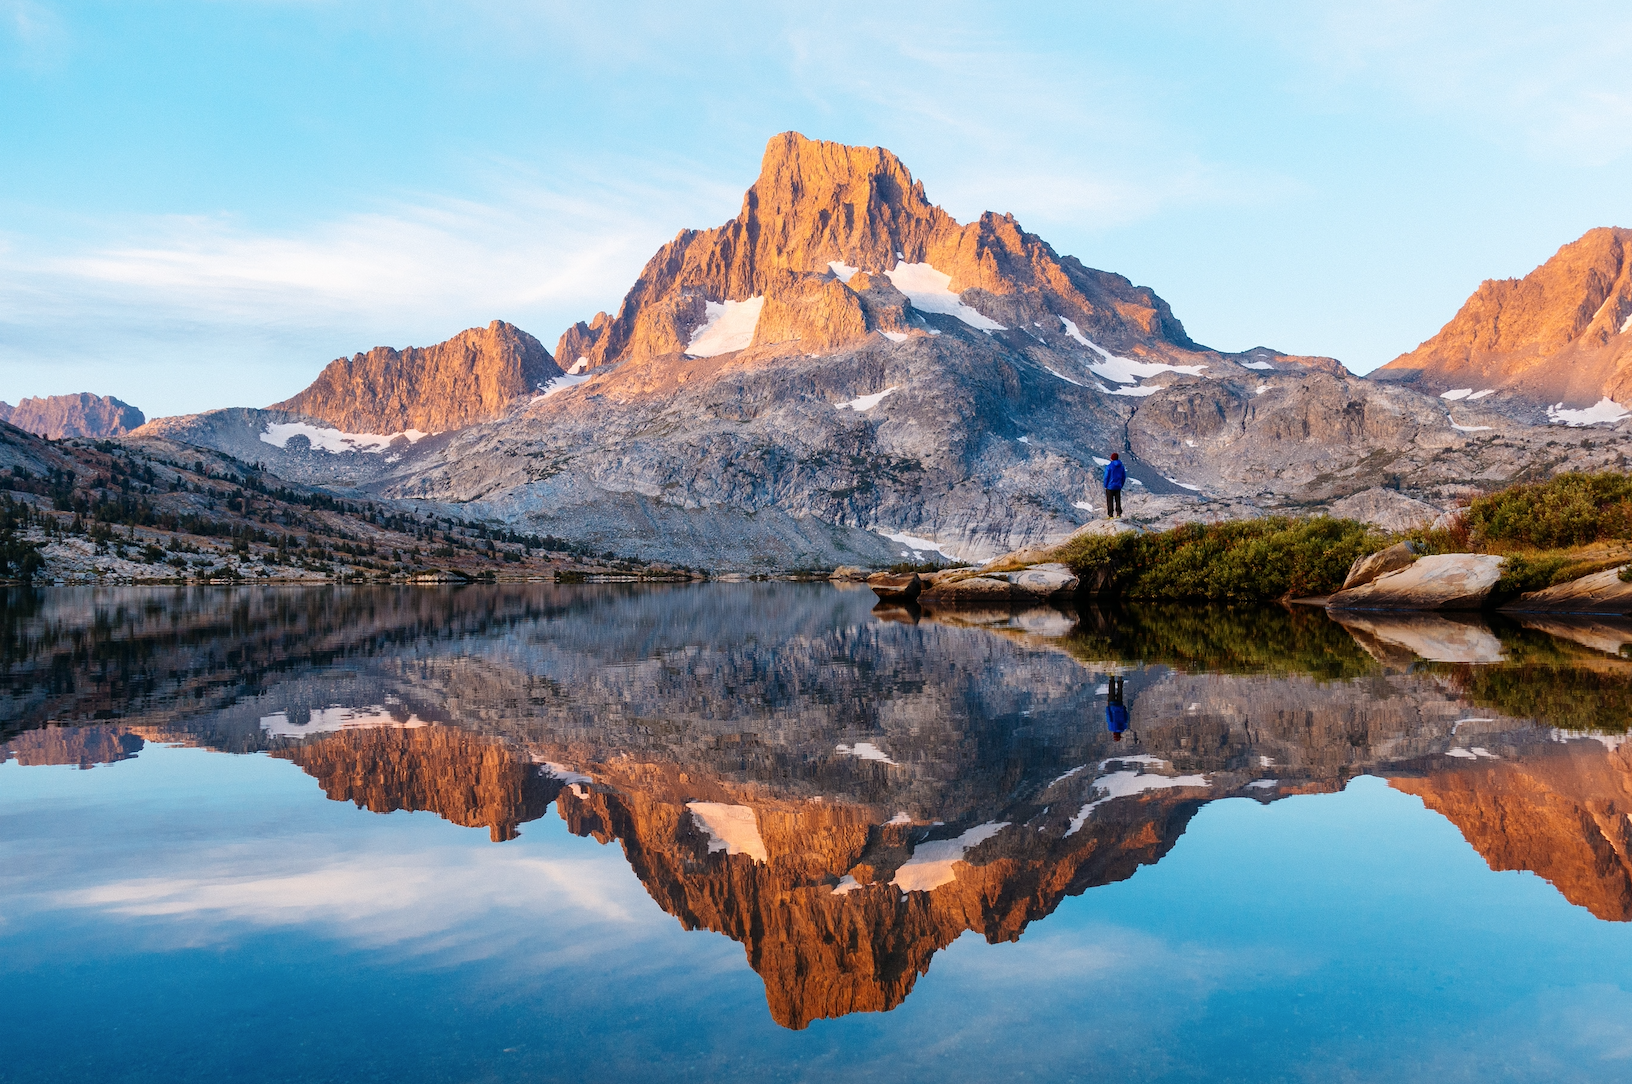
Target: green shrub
<point>1219,638</point>
<point>1241,561</point>
<point>1570,510</point>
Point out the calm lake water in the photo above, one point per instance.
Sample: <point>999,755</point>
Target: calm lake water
<point>764,832</point>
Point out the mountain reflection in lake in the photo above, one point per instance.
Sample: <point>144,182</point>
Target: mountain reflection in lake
<point>842,792</point>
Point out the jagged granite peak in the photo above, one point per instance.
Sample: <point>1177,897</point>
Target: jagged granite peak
<point>1560,335</point>
<point>821,213</point>
<point>473,377</point>
<point>82,415</point>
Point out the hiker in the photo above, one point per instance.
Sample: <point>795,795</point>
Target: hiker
<point>1116,713</point>
<point>1116,475</point>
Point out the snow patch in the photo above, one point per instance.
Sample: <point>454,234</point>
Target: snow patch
<point>928,291</point>
<point>578,366</point>
<point>901,817</point>
<point>843,271</point>
<point>920,545</point>
<point>1604,410</point>
<point>847,884</point>
<point>1085,506</point>
<point>864,750</point>
<point>1458,393</point>
<point>1126,785</point>
<point>1124,370</point>
<point>1625,324</point>
<point>731,828</point>
<point>1256,365</point>
<point>868,402</point>
<point>1183,485</point>
<point>1140,392</point>
<point>1466,428</point>
<point>1471,754</point>
<point>564,773</point>
<point>1260,389</point>
<point>1264,784</point>
<point>1024,440</point>
<point>931,863</point>
<point>1481,394</point>
<point>727,327</point>
<point>328,720</point>
<point>333,440</point>
<point>895,336</point>
<point>562,383</point>
<point>1067,379</point>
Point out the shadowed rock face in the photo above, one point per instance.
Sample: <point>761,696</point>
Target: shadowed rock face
<point>82,415</point>
<point>473,377</point>
<point>1558,335</point>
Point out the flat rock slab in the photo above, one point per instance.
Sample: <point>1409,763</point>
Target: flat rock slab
<point>1600,593</point>
<point>1446,581</point>
<point>1589,630</point>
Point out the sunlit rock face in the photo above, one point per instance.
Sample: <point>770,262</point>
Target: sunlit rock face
<point>1559,337</point>
<point>1560,812</point>
<point>459,776</point>
<point>84,746</point>
<point>82,415</point>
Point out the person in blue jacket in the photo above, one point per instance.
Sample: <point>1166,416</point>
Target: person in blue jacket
<point>1116,712</point>
<point>1116,476</point>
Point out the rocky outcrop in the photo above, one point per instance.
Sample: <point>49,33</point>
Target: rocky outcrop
<point>1368,568</point>
<point>473,377</point>
<point>1386,508</point>
<point>1600,593</point>
<point>1562,335</point>
<point>82,415</point>
<point>1446,581</point>
<point>459,776</point>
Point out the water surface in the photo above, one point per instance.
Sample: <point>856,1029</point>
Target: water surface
<point>765,832</point>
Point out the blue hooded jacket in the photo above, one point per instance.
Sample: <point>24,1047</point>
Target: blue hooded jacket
<point>1115,474</point>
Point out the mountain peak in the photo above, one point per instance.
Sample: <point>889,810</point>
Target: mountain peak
<point>785,269</point>
<point>1561,333</point>
<point>472,377</point>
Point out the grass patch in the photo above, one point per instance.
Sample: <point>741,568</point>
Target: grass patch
<point>1252,560</point>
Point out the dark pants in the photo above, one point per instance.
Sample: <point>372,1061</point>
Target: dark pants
<point>1113,502</point>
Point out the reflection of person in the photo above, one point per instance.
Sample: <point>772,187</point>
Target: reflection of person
<point>1116,476</point>
<point>1116,713</point>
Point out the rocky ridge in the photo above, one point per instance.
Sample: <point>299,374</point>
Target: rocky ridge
<point>82,415</point>
<point>1559,337</point>
<point>476,376</point>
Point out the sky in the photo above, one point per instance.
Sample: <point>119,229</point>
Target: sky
<point>205,201</point>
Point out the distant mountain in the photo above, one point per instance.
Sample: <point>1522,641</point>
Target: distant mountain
<point>473,377</point>
<point>82,415</point>
<point>843,373</point>
<point>1560,337</point>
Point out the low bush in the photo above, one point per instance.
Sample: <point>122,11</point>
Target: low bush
<point>1241,561</point>
<point>1570,510</point>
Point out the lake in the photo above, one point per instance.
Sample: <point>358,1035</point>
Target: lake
<point>767,831</point>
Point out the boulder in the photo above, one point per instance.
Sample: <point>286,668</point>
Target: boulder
<point>1404,638</point>
<point>1036,584</point>
<point>1445,581</point>
<point>850,573</point>
<point>1600,593</point>
<point>1368,568</point>
<point>894,587</point>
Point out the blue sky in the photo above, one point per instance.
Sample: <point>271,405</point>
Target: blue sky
<point>204,202</point>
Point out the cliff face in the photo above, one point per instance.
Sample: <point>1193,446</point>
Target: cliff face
<point>459,776</point>
<point>1561,813</point>
<point>1563,333</point>
<point>473,377</point>
<point>817,204</point>
<point>82,415</point>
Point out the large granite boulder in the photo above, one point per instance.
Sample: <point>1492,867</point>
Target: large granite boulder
<point>1036,584</point>
<point>1445,581</point>
<point>1600,593</point>
<point>1368,568</point>
<point>894,587</point>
